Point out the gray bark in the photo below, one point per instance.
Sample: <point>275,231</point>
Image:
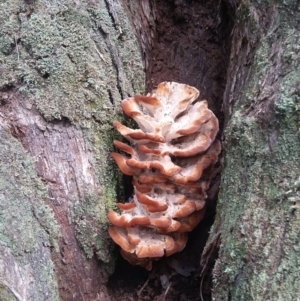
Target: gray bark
<point>257,224</point>
<point>65,66</point>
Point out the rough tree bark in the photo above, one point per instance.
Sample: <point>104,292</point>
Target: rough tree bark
<point>258,222</point>
<point>65,66</point>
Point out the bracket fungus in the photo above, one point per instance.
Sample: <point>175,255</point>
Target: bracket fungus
<point>170,157</point>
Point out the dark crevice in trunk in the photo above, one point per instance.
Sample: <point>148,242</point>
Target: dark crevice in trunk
<point>191,45</point>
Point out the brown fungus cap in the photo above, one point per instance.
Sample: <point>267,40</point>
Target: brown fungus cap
<point>127,220</point>
<point>165,166</point>
<point>171,158</point>
<point>126,169</point>
<point>126,206</point>
<point>152,205</point>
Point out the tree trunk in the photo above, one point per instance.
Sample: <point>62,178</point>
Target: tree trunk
<point>65,66</point>
<point>257,223</point>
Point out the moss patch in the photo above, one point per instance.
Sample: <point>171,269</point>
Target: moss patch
<point>23,210</point>
<point>259,198</point>
<point>73,60</point>
<point>76,61</point>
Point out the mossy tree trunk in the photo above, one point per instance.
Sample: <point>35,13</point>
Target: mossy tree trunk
<point>65,66</point>
<point>257,224</point>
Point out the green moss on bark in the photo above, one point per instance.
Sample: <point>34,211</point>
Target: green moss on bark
<point>23,211</point>
<point>259,198</point>
<point>75,60</point>
<point>6,294</point>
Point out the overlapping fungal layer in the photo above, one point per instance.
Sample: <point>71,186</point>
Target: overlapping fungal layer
<point>170,158</point>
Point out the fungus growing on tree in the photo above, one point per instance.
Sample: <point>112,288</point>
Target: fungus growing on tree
<point>170,157</point>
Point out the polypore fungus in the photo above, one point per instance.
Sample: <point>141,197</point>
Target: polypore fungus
<point>170,158</point>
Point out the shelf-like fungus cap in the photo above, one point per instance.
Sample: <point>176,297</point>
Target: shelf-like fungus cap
<point>119,236</point>
<point>170,93</point>
<point>171,157</point>
<point>137,136</point>
<point>163,164</point>
<point>191,122</point>
<point>190,222</point>
<point>134,260</point>
<point>126,206</point>
<point>124,147</point>
<point>151,244</point>
<point>127,219</point>
<point>154,245</point>
<point>121,162</point>
<point>194,167</point>
<point>180,241</point>
<point>152,205</point>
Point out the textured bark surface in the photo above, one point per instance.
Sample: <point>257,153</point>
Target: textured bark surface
<point>257,223</point>
<point>65,66</point>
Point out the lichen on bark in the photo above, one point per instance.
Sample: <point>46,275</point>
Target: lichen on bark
<point>258,209</point>
<point>28,229</point>
<point>74,59</point>
<point>65,66</point>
